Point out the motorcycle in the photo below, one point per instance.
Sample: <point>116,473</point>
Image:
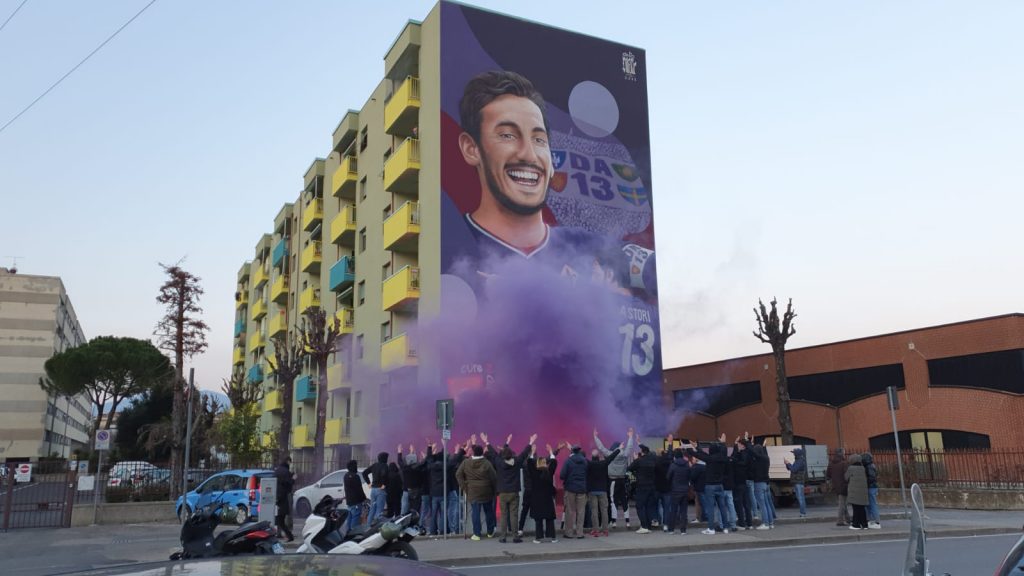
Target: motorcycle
<point>198,540</point>
<point>326,531</point>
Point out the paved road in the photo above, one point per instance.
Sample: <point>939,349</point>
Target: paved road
<point>956,556</point>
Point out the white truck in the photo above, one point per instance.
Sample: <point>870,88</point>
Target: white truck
<point>817,462</point>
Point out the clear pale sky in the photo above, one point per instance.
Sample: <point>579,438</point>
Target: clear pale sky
<point>864,158</point>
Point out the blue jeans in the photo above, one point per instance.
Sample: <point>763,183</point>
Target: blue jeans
<point>454,526</point>
<point>405,503</point>
<point>488,510</point>
<point>378,501</point>
<point>646,505</point>
<point>354,512</point>
<point>716,499</point>
<point>755,506</point>
<point>800,498</point>
<point>435,515</point>
<point>873,504</point>
<point>665,506</point>
<point>764,499</point>
<point>730,508</point>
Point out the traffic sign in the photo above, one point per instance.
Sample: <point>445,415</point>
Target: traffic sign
<point>445,414</point>
<point>23,473</point>
<point>446,434</point>
<point>103,439</point>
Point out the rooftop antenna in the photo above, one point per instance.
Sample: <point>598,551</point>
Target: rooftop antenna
<point>14,263</point>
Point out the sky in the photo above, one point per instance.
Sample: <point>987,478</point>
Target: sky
<point>865,159</point>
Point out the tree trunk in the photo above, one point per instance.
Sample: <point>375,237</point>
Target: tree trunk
<point>321,417</point>
<point>782,384</point>
<point>284,433</point>
<point>178,464</point>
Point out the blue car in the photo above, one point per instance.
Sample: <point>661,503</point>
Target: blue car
<point>237,488</point>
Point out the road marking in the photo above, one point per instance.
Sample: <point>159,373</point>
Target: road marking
<point>729,551</point>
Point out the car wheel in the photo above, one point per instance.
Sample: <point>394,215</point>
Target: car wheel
<point>243,515</point>
<point>400,550</point>
<point>302,508</point>
<point>184,512</point>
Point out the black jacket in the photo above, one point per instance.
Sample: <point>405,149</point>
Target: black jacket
<point>436,472</point>
<point>542,497</point>
<point>697,475</point>
<point>508,474</point>
<point>716,460</point>
<point>597,472</point>
<point>354,494</point>
<point>414,476</point>
<point>740,467</point>
<point>643,468</point>
<point>285,484</point>
<point>378,471</point>
<point>760,462</point>
<point>661,483</point>
<point>574,473</point>
<point>679,476</point>
<point>869,468</point>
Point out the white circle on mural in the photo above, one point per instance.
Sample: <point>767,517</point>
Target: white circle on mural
<point>593,109</point>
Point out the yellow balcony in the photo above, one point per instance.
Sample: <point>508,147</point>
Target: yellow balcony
<point>402,110</point>
<point>343,227</point>
<point>260,277</point>
<point>259,309</point>
<point>402,169</point>
<point>346,319</point>
<point>278,325</point>
<point>241,299</point>
<point>343,181</point>
<point>336,431</point>
<point>402,289</point>
<point>238,357</point>
<point>336,377</point>
<point>398,352</point>
<point>302,436</point>
<point>257,341</point>
<point>402,229</point>
<point>272,402</point>
<point>311,256</point>
<point>279,290</point>
<point>313,214</point>
<point>309,298</point>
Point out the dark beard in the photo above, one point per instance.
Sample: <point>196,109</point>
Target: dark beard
<point>503,199</point>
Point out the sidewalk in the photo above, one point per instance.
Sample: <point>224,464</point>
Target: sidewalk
<point>817,528</point>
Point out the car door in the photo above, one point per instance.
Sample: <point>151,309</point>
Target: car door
<point>332,485</point>
<point>209,491</point>
<point>234,490</point>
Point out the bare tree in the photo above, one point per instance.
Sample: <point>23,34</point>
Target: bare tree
<point>285,366</point>
<point>319,341</point>
<point>182,333</point>
<point>771,331</point>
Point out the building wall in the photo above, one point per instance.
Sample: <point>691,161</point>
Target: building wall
<point>37,320</point>
<point>999,415</point>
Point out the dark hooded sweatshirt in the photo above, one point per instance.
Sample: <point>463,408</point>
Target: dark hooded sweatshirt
<point>597,472</point>
<point>760,463</point>
<point>716,460</point>
<point>644,469</point>
<point>379,472</point>
<point>508,473</point>
<point>574,473</point>
<point>679,476</point>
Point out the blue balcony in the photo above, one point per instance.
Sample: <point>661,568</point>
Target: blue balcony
<point>305,389</point>
<point>343,274</point>
<point>239,327</point>
<point>256,374</point>
<point>280,252</point>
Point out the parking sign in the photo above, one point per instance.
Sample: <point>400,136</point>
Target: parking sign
<point>103,439</point>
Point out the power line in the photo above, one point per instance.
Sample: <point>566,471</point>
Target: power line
<point>23,2</point>
<point>69,72</point>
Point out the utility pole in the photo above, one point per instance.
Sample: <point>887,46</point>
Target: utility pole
<point>188,430</point>
<point>894,405</point>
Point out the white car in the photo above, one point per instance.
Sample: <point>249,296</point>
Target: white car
<point>126,473</point>
<point>332,485</point>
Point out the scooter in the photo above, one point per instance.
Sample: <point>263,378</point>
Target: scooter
<point>198,540</point>
<point>326,531</point>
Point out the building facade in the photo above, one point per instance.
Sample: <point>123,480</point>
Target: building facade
<point>960,386</point>
<point>37,321</point>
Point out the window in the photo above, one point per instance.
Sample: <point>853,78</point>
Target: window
<point>332,480</point>
<point>364,139</point>
<point>385,271</point>
<point>845,386</point>
<point>1002,371</point>
<point>931,440</point>
<point>717,400</point>
<point>357,403</point>
<point>387,211</point>
<point>362,189</point>
<point>362,240</point>
<point>361,293</point>
<point>298,416</point>
<point>359,346</point>
<point>385,331</point>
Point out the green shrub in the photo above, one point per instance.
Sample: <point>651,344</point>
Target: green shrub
<point>118,494</point>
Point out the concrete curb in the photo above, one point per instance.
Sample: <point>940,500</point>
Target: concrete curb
<point>708,547</point>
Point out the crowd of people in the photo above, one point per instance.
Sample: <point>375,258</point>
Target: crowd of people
<point>730,488</point>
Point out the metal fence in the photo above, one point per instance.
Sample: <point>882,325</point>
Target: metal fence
<point>44,500</point>
<point>985,469</point>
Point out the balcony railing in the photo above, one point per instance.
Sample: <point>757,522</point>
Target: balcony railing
<point>398,352</point>
<point>343,274</point>
<point>256,374</point>
<point>402,229</point>
<point>279,289</point>
<point>401,111</point>
<point>313,214</point>
<point>402,289</point>
<point>402,169</point>
<point>259,309</point>
<point>311,256</point>
<point>343,227</point>
<point>305,389</point>
<point>272,402</point>
<point>240,327</point>
<point>309,298</point>
<point>256,341</point>
<point>336,377</point>
<point>346,319</point>
<point>343,181</point>
<point>238,357</point>
<point>241,300</point>
<point>336,431</point>
<point>260,277</point>
<point>278,325</point>
<point>302,436</point>
<point>279,253</point>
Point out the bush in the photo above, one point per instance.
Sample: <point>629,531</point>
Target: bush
<point>118,494</point>
<point>152,493</point>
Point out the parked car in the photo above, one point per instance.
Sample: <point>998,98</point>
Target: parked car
<point>126,473</point>
<point>238,488</point>
<point>1013,563</point>
<point>154,476</point>
<point>332,485</point>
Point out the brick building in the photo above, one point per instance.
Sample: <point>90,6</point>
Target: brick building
<point>960,386</point>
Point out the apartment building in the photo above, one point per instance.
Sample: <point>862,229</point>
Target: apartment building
<point>37,321</point>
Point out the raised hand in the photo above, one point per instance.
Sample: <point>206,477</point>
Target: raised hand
<point>483,438</point>
<point>412,450</point>
<point>671,438</point>
<point>533,439</point>
<point>399,450</point>
<point>595,431</point>
<point>561,445</point>
<point>472,440</point>
<point>550,451</point>
<point>508,441</point>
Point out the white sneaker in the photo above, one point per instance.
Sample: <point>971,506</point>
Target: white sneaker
<point>874,526</point>
<point>852,527</point>
<point>642,531</point>
<point>708,532</point>
<point>762,527</point>
<point>726,531</point>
